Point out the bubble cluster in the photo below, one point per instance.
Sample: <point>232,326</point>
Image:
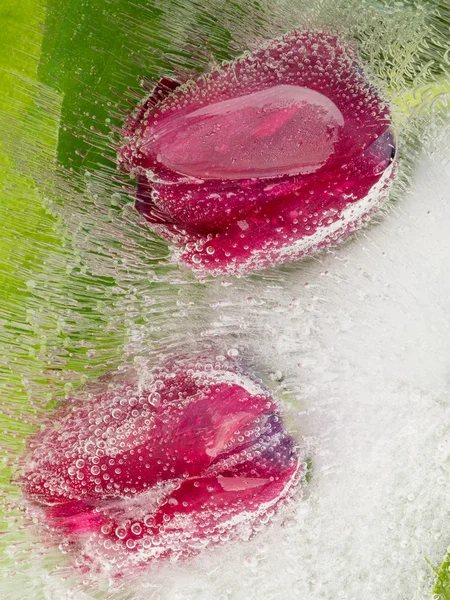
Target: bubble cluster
<point>126,479</point>
<point>269,158</point>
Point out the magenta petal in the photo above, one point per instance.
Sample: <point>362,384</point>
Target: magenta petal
<point>250,136</point>
<point>161,467</point>
<point>272,157</point>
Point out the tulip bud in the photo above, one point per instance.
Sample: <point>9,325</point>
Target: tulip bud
<point>161,467</point>
<point>270,158</point>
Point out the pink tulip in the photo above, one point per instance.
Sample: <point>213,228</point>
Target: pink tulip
<point>162,467</point>
<point>269,158</point>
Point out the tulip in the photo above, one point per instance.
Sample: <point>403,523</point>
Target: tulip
<point>161,467</point>
<point>269,158</point>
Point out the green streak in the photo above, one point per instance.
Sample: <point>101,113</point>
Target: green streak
<point>441,588</point>
<point>29,118</point>
<point>93,53</point>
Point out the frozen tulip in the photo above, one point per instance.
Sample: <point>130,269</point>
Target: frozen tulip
<point>266,159</point>
<point>161,466</point>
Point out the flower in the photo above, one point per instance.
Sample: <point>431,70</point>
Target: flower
<point>271,157</point>
<point>190,455</point>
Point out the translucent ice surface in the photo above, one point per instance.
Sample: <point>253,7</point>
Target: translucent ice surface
<point>349,347</point>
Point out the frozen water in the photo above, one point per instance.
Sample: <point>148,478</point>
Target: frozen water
<point>354,342</point>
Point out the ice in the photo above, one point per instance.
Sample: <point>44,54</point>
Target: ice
<point>353,342</point>
<point>364,335</point>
